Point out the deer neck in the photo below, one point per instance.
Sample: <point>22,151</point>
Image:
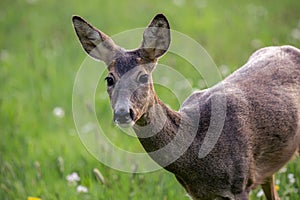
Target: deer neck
<point>158,126</point>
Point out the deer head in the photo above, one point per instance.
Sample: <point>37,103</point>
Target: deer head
<point>129,79</point>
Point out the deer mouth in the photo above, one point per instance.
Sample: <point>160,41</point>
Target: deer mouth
<point>126,125</point>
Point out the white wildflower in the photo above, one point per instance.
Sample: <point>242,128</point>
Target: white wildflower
<point>73,178</point>
<point>81,189</point>
<point>291,178</point>
<point>260,193</point>
<point>58,112</point>
<point>283,170</point>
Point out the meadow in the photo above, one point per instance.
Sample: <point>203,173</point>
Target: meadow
<point>41,154</point>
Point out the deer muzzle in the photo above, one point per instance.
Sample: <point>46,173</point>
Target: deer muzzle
<point>123,115</point>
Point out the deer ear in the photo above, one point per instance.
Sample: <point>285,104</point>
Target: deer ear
<point>94,42</point>
<point>156,38</point>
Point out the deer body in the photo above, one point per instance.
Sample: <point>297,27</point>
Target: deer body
<point>261,126</point>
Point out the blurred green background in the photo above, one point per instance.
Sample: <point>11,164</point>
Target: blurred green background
<point>39,58</point>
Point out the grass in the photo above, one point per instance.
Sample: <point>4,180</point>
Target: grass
<point>39,58</point>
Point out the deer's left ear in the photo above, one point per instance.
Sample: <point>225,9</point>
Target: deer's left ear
<point>156,38</point>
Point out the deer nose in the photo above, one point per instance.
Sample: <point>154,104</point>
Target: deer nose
<point>122,116</point>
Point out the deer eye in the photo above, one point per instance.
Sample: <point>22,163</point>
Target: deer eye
<point>143,78</point>
<point>110,81</point>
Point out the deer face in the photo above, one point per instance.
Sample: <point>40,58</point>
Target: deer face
<point>129,81</point>
<point>130,88</point>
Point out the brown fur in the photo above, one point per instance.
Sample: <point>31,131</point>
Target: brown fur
<point>261,128</point>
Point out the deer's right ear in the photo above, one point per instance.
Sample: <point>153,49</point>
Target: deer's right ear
<point>94,42</point>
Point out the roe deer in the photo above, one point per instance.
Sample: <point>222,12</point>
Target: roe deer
<point>260,133</point>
